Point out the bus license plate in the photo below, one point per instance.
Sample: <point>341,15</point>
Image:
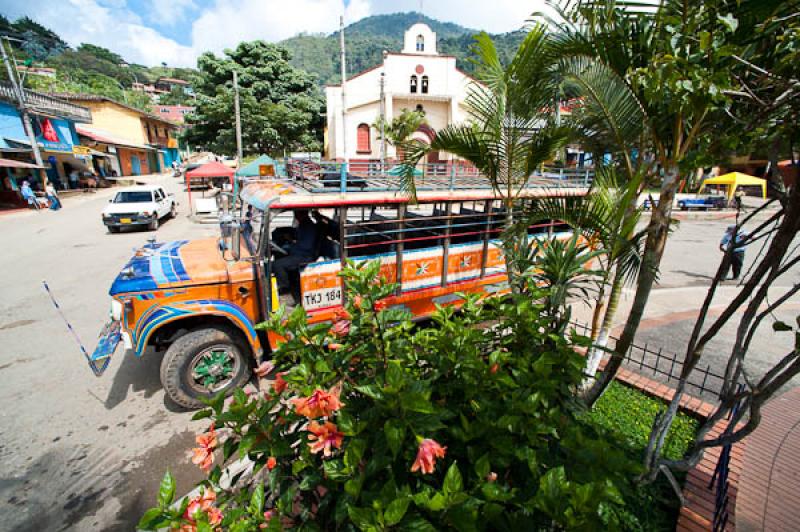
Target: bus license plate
<point>327,297</point>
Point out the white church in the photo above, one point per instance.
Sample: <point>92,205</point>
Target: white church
<point>416,78</point>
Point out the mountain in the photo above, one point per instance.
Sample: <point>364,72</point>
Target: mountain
<point>369,37</point>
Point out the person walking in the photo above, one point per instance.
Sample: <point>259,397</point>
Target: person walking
<point>52,196</point>
<point>737,257</point>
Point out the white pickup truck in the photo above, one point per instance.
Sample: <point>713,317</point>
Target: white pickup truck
<point>137,206</point>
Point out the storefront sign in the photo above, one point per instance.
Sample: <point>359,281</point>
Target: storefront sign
<point>54,134</point>
<point>81,150</point>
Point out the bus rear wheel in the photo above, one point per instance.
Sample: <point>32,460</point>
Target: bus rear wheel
<point>202,364</point>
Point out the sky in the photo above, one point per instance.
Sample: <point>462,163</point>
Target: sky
<point>177,31</point>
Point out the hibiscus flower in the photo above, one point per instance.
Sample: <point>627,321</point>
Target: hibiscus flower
<point>271,463</point>
<point>429,451</point>
<point>324,437</point>
<point>202,504</point>
<point>279,385</point>
<point>319,404</point>
<point>204,455</point>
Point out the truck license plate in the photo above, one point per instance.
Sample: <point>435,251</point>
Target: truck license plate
<point>125,220</point>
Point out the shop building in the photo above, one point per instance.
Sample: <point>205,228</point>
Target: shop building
<point>54,122</point>
<point>143,143</point>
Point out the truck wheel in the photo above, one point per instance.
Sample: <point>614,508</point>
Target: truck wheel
<point>154,224</point>
<point>173,212</point>
<point>202,364</point>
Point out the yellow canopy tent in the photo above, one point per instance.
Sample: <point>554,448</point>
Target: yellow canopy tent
<point>736,179</point>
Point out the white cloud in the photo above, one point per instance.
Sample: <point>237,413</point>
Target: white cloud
<point>169,12</point>
<point>225,23</point>
<point>494,16</point>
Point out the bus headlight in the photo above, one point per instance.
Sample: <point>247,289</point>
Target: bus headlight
<point>116,310</point>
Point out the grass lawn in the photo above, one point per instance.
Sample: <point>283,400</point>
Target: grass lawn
<point>627,415</point>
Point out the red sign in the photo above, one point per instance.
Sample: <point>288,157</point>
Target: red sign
<point>420,69</point>
<point>49,132</point>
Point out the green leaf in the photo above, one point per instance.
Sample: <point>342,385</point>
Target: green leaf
<point>150,518</point>
<point>335,470</point>
<point>416,402</point>
<point>396,510</point>
<point>394,374</point>
<point>780,326</point>
<point>322,367</point>
<point>166,491</point>
<point>202,414</point>
<point>452,480</point>
<point>363,518</point>
<point>395,432</point>
<point>730,22</point>
<point>354,452</point>
<point>203,526</point>
<point>482,466</point>
<point>256,508</point>
<point>436,503</point>
<point>247,443</point>
<point>371,390</point>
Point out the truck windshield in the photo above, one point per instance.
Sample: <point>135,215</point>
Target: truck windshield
<point>142,196</point>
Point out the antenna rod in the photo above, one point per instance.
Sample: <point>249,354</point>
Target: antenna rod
<point>344,83</point>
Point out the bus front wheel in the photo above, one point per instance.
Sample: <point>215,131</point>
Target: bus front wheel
<point>202,364</point>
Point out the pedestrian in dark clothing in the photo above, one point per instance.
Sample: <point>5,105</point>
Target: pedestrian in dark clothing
<point>737,257</point>
<point>301,251</point>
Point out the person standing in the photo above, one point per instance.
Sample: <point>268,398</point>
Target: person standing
<point>73,178</point>
<point>737,257</point>
<point>52,196</point>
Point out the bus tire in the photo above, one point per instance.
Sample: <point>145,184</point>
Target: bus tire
<point>202,364</point>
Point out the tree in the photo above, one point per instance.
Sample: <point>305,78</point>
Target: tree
<point>654,90</point>
<point>399,130</point>
<point>766,98</point>
<point>281,108</point>
<point>511,128</point>
<point>607,217</point>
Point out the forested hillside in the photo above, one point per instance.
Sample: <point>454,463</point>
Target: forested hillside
<point>369,37</point>
<point>87,68</point>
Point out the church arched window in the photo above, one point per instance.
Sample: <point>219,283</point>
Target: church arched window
<point>362,139</point>
<point>414,81</point>
<point>424,84</point>
<point>420,43</point>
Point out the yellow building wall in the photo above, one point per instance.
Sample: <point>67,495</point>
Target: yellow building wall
<point>117,120</point>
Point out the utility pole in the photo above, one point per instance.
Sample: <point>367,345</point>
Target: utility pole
<point>23,109</point>
<point>238,118</point>
<point>383,123</point>
<point>344,83</point>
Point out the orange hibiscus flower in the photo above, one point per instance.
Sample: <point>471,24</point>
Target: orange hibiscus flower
<point>319,404</point>
<point>271,463</point>
<point>324,437</point>
<point>202,504</point>
<point>279,385</point>
<point>429,451</point>
<point>204,455</point>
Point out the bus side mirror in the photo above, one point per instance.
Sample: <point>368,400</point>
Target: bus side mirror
<point>236,241</point>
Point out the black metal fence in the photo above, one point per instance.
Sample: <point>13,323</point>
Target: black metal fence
<point>664,366</point>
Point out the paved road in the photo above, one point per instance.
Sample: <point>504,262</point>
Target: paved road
<point>690,262</point>
<point>79,452</point>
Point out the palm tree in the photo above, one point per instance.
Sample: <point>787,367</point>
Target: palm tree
<point>511,128</point>
<point>607,218</point>
<point>399,130</point>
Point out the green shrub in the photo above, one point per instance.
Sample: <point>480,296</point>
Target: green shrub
<point>375,424</point>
